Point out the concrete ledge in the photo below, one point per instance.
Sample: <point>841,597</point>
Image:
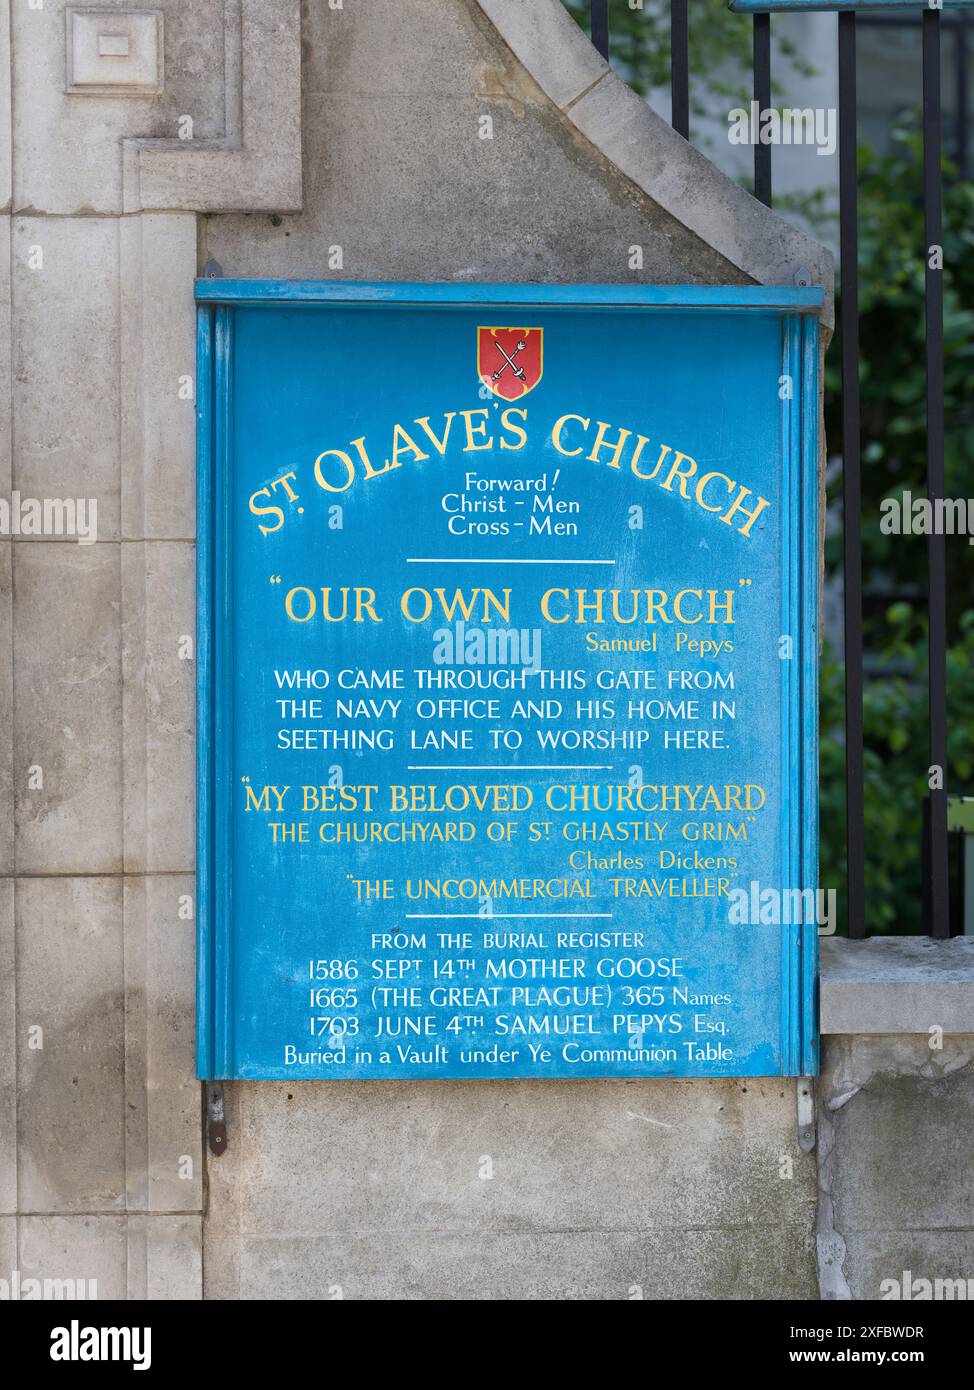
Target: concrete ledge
<point>645,148</point>
<point>904,984</point>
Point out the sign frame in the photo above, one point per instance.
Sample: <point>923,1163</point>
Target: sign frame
<point>798,308</point>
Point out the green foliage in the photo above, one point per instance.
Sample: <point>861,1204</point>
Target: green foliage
<point>895,722</point>
<point>893,393</point>
<point>892,374</point>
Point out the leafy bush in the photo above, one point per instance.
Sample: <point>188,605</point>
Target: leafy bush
<point>893,394</point>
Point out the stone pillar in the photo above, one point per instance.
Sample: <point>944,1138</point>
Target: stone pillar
<point>107,163</point>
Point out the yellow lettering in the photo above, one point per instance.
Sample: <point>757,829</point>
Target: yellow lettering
<point>556,434</point>
<point>266,511</point>
<point>677,472</point>
<point>406,604</point>
<point>736,506</point>
<point>548,595</point>
<point>439,444</point>
<point>600,442</point>
<point>480,430</point>
<point>647,477</point>
<point>349,471</point>
<point>402,442</point>
<point>289,604</point>
<point>509,425</point>
<point>702,483</point>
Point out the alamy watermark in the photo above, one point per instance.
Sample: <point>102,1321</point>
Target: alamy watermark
<point>20,1288</point>
<point>78,1343</point>
<point>760,905</point>
<point>807,125</point>
<point>911,1289</point>
<point>50,516</point>
<point>925,516</point>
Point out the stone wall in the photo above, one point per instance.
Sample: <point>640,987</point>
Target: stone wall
<point>101,1166</point>
<point>894,1154</point>
<point>896,1101</point>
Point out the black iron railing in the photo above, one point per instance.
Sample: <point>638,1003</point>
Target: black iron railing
<point>935,847</point>
<point>762,95</point>
<point>851,481</point>
<point>939,917</point>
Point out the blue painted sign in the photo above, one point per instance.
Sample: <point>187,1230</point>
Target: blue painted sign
<point>507,680</point>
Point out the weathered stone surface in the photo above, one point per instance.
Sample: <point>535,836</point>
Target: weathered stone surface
<point>596,1186</point>
<point>383,185</point>
<point>897,1184</point>
<point>68,151</point>
<point>890,1265</point>
<point>258,163</point>
<point>345,59</point>
<point>163,1155</point>
<point>109,1107</point>
<point>159,630</point>
<point>586,1265</point>
<point>66,361</point>
<point>8,1055</point>
<point>158,338</point>
<point>6,706</point>
<point>384,168</point>
<point>164,1258</point>
<point>556,53</point>
<point>564,1155</point>
<point>87,1251</point>
<point>667,1263</point>
<point>6,116</point>
<point>6,356</point>
<point>105,1257</point>
<point>68,703</point>
<point>878,1088</point>
<point>128,59</point>
<point>897,984</point>
<point>781,1264</point>
<point>8,1246</point>
<point>71,1136</point>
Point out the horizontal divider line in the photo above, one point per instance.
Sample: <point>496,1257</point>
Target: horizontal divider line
<point>496,916</point>
<point>437,561</point>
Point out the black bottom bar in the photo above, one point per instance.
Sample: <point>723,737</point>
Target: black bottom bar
<point>743,1335</point>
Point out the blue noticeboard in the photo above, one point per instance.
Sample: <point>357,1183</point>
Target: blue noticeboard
<point>507,655</point>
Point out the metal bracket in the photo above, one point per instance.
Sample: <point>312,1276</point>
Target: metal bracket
<point>216,1124</point>
<point>213,270</point>
<point>806,1113</point>
<point>803,277</point>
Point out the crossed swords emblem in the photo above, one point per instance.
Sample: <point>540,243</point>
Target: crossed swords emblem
<point>509,362</point>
